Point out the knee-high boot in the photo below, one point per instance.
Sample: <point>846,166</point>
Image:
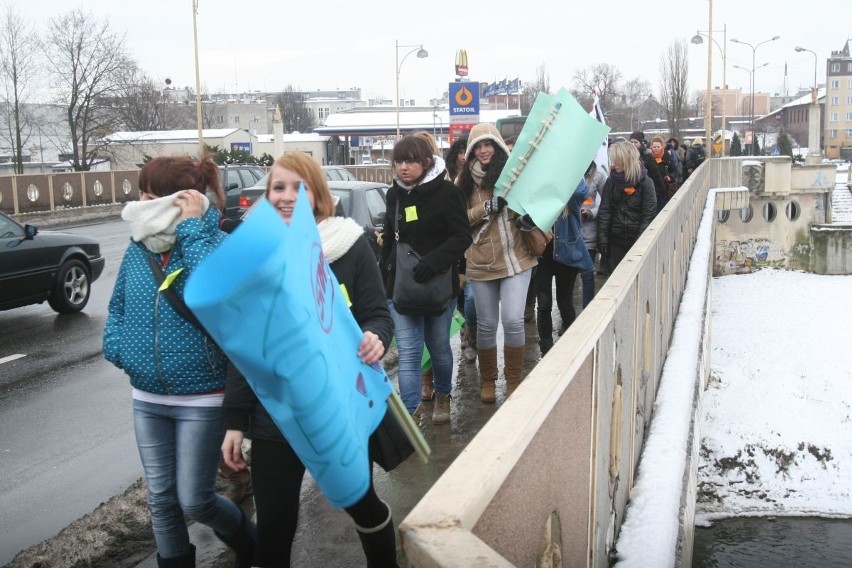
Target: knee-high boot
<point>488,374</point>
<point>514,367</point>
<point>379,544</point>
<point>185,561</point>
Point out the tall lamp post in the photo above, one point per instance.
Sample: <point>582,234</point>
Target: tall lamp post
<point>753,54</point>
<point>697,40</point>
<point>197,82</point>
<point>813,116</point>
<point>421,53</point>
<point>751,93</point>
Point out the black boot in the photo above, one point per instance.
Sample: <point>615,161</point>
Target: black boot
<point>243,542</point>
<point>185,561</point>
<point>379,544</point>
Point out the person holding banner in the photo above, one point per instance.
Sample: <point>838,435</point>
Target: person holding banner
<point>499,266</point>
<point>628,204</point>
<point>177,372</point>
<point>276,470</point>
<point>425,211</point>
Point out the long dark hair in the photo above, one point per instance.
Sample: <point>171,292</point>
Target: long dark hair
<point>451,158</point>
<point>492,172</point>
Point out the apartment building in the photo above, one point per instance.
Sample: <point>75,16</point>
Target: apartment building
<point>838,104</point>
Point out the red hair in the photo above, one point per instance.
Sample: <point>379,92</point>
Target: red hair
<point>170,174</point>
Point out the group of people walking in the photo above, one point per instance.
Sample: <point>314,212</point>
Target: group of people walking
<point>192,408</point>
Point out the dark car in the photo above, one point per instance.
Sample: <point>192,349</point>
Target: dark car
<point>46,265</point>
<point>363,201</point>
<point>235,178</point>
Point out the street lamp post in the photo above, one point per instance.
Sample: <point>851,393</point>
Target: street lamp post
<point>421,53</point>
<point>197,82</point>
<point>813,116</point>
<point>697,40</point>
<point>753,54</point>
<point>751,94</point>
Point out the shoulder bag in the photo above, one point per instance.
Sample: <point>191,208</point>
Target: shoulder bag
<point>410,297</point>
<point>536,240</point>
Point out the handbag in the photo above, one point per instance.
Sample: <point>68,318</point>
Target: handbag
<point>430,298</point>
<point>388,445</point>
<point>537,240</point>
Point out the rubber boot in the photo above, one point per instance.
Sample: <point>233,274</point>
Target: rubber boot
<point>427,385</point>
<point>513,358</point>
<point>186,561</point>
<point>243,542</point>
<point>488,374</point>
<point>379,544</point>
<point>238,483</point>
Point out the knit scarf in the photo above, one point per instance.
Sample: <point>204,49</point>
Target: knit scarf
<point>477,172</point>
<point>620,183</point>
<point>337,235</point>
<point>153,222</point>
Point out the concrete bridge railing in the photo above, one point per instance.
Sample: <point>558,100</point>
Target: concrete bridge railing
<point>547,480</point>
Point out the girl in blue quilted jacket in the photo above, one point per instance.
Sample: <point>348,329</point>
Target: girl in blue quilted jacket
<point>177,373</point>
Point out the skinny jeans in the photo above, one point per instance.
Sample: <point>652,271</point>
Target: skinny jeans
<point>503,298</point>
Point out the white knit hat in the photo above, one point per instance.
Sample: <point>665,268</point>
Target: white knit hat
<point>484,131</point>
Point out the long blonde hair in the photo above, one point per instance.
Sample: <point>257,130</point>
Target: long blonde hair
<point>625,157</point>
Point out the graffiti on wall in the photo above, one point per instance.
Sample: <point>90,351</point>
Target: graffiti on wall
<point>821,181</point>
<point>747,255</point>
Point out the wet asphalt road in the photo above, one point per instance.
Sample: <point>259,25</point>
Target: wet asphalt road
<point>67,438</point>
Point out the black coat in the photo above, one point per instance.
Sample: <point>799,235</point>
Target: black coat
<point>356,270</point>
<point>624,217</point>
<point>440,233</point>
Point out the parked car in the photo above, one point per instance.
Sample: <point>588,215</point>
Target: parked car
<point>363,201</point>
<point>338,173</point>
<point>235,178</point>
<point>46,265</point>
<point>247,198</point>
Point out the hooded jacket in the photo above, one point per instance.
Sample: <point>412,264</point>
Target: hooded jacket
<point>162,352</point>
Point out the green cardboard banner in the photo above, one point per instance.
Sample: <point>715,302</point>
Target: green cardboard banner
<point>558,161</point>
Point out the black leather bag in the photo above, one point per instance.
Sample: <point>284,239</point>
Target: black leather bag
<point>430,298</point>
<point>388,445</point>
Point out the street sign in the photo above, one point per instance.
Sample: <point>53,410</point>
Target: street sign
<point>464,102</point>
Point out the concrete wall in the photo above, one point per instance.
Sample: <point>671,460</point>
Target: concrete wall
<point>774,230</point>
<point>29,193</point>
<point>567,444</point>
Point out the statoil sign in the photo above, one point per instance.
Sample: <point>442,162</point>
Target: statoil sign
<point>464,102</point>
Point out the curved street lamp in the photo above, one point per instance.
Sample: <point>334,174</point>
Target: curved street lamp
<point>814,115</point>
<point>753,52</point>
<point>698,40</point>
<point>421,53</point>
<point>816,64</point>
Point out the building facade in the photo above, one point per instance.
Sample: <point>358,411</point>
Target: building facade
<point>837,117</point>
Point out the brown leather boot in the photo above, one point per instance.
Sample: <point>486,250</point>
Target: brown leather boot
<point>427,385</point>
<point>513,359</point>
<point>488,374</point>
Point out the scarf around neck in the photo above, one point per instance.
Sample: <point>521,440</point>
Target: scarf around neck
<point>477,172</point>
<point>621,184</point>
<point>153,222</point>
<point>438,167</point>
<point>337,235</point>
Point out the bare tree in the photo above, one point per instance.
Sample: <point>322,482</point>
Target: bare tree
<point>139,103</point>
<point>603,79</point>
<point>295,114</point>
<point>86,60</point>
<point>541,84</point>
<point>674,70</point>
<point>18,62</point>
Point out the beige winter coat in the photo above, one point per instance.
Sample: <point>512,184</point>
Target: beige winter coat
<point>498,248</point>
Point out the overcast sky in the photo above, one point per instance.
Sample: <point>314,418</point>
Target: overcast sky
<point>266,45</point>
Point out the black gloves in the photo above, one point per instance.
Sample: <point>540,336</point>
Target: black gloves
<point>422,272</point>
<point>604,249</point>
<point>525,223</point>
<point>494,205</point>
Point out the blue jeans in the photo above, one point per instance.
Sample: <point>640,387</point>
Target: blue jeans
<point>180,450</point>
<point>587,277</point>
<point>469,307</point>
<point>506,297</point>
<point>411,333</point>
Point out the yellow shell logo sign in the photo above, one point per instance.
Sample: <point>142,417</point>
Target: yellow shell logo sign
<point>464,97</point>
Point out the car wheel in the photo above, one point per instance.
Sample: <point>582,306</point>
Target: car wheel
<point>71,291</point>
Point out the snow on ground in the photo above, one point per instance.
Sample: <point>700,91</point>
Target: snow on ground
<point>777,414</point>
